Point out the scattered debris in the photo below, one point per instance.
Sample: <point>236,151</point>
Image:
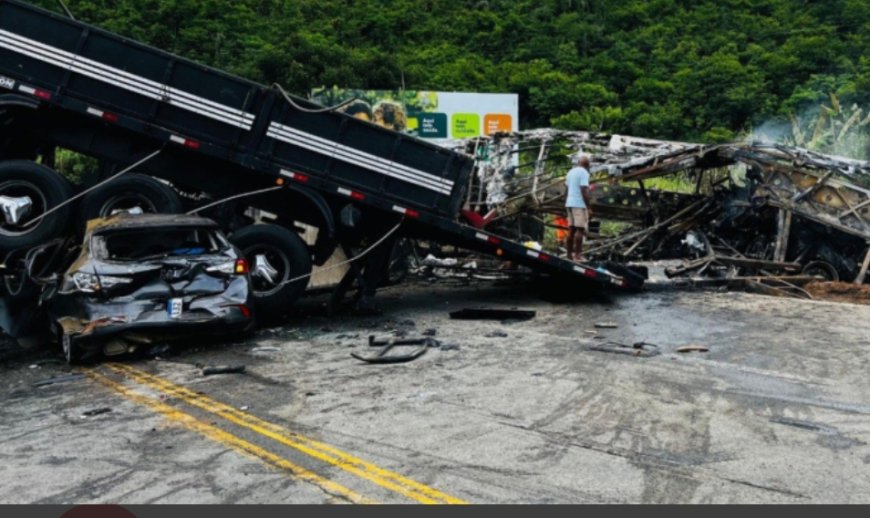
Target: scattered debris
<point>606,325</point>
<point>693,348</point>
<point>496,334</point>
<point>159,350</point>
<point>96,411</point>
<point>642,349</point>
<point>386,345</point>
<point>58,379</point>
<point>265,349</point>
<point>223,369</point>
<point>492,314</point>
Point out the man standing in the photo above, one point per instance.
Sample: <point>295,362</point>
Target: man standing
<point>577,205</point>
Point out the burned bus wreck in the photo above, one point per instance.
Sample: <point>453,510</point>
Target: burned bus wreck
<point>729,211</point>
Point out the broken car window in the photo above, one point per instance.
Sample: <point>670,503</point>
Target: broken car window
<point>140,244</point>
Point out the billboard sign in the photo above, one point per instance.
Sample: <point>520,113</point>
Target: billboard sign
<point>429,115</point>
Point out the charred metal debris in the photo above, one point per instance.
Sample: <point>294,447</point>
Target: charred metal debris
<point>755,215</point>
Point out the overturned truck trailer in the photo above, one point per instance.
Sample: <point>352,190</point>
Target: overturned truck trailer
<point>252,158</point>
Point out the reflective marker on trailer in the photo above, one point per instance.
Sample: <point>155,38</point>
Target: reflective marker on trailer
<point>186,142</point>
<point>353,194</point>
<point>36,92</point>
<point>407,212</point>
<point>297,177</point>
<point>580,269</point>
<point>107,116</point>
<point>489,239</point>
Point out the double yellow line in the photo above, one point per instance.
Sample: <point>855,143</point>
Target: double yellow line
<point>315,449</point>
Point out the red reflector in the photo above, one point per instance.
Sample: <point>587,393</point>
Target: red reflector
<point>544,257</point>
<point>494,240</point>
<point>111,117</point>
<point>301,178</point>
<point>412,213</point>
<point>590,273</point>
<point>241,267</point>
<point>357,195</point>
<point>246,311</point>
<point>42,94</point>
<point>192,144</point>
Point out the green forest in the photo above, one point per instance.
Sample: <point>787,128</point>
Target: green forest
<point>699,70</point>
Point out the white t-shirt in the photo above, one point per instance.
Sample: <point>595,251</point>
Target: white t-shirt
<point>577,177</point>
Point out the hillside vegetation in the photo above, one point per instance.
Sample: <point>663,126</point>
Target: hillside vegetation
<point>676,69</point>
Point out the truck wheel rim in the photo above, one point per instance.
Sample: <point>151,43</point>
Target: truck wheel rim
<point>14,283</point>
<point>128,202</point>
<point>277,260</point>
<point>17,189</point>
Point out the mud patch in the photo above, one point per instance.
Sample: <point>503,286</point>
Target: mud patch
<point>840,292</point>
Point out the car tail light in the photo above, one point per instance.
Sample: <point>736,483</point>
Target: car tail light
<point>241,267</point>
<point>243,309</point>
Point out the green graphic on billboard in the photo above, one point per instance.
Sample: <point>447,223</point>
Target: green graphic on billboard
<point>425,114</point>
<point>465,125</point>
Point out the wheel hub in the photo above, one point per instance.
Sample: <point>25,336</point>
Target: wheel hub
<point>15,208</point>
<point>264,269</point>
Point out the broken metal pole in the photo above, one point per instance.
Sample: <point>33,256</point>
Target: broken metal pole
<point>862,274</point>
<point>783,230</point>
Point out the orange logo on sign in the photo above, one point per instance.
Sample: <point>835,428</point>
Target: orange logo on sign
<point>497,122</point>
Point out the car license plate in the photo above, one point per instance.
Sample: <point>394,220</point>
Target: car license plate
<point>174,307</point>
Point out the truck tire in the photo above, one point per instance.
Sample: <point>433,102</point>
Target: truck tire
<point>46,189</point>
<point>275,255</point>
<point>128,192</point>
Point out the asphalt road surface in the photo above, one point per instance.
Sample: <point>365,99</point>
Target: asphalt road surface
<point>551,410</point>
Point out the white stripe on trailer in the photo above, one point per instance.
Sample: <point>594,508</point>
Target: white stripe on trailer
<point>289,174</point>
<point>400,210</point>
<point>96,112</point>
<point>362,159</point>
<point>47,50</point>
<point>346,192</point>
<point>580,270</point>
<point>383,162</point>
<point>361,163</point>
<point>26,89</point>
<point>482,237</point>
<point>125,80</point>
<point>532,253</point>
<point>177,139</point>
<point>353,156</point>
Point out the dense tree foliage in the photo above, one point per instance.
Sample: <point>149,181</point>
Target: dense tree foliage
<point>687,69</point>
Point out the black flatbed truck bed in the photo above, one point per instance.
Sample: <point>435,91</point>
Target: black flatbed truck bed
<point>79,87</point>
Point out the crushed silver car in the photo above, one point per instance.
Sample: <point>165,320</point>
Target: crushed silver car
<point>137,279</point>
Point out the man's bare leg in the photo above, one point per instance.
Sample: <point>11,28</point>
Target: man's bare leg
<point>578,245</point>
<point>569,243</point>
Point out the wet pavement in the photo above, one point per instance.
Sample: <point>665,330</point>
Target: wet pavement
<point>776,411</point>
